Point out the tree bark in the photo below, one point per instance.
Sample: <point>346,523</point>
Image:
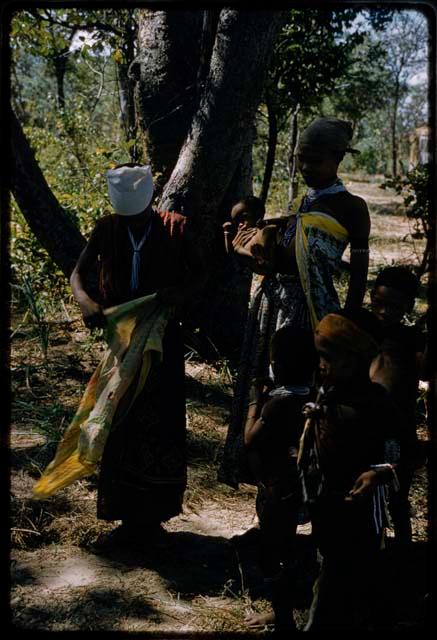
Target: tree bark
<point>165,75</point>
<point>52,226</point>
<point>126,87</point>
<point>394,142</point>
<point>224,121</point>
<point>292,147</point>
<point>206,174</point>
<point>271,149</point>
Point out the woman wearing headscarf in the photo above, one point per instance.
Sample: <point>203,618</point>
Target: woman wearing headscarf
<point>297,289</point>
<point>133,411</point>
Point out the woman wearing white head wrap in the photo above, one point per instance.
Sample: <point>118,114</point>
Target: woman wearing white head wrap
<point>138,251</point>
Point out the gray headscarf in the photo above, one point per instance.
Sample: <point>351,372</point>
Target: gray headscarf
<point>331,133</point>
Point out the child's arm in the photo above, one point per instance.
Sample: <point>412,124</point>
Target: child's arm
<point>367,481</point>
<point>253,423</point>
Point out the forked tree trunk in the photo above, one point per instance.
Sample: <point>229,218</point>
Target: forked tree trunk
<point>200,134</point>
<point>206,170</point>
<point>198,129</point>
<point>165,73</point>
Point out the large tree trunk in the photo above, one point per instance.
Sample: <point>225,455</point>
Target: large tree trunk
<point>223,123</point>
<point>52,226</point>
<point>165,74</point>
<point>221,131</point>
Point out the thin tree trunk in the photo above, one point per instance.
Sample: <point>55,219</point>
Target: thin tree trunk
<point>293,140</point>
<point>59,61</point>
<point>271,149</point>
<point>394,142</point>
<point>126,88</point>
<point>52,226</point>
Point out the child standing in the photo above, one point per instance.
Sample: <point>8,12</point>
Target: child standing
<point>271,436</point>
<point>398,368</point>
<point>344,437</point>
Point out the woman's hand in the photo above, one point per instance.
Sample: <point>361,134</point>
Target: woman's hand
<point>364,484</point>
<point>92,314</point>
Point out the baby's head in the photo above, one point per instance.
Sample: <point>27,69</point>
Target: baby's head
<point>346,343</point>
<point>248,211</point>
<point>393,294</point>
<point>292,356</point>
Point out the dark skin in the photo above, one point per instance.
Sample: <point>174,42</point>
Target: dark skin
<point>254,431</point>
<point>337,368</point>
<point>390,306</point>
<point>319,167</point>
<point>92,312</point>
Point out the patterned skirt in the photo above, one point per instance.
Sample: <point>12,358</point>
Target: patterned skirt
<point>278,301</point>
<point>143,469</point>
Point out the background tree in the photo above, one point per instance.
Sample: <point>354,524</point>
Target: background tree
<point>406,45</point>
<point>317,52</point>
<point>213,162</point>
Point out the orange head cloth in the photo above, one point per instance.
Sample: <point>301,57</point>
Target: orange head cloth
<point>347,336</point>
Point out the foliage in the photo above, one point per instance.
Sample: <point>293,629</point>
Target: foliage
<point>74,143</point>
<point>37,303</point>
<point>311,53</point>
<point>414,187</point>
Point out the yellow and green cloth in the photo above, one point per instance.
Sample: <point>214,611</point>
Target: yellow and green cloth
<point>320,242</point>
<point>134,334</point>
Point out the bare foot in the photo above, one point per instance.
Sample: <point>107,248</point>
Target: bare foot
<point>259,619</point>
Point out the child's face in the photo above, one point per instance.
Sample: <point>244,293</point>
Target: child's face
<point>242,215</point>
<point>335,366</point>
<point>389,305</point>
<point>318,166</point>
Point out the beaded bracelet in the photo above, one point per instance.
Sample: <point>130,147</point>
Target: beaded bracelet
<point>360,250</point>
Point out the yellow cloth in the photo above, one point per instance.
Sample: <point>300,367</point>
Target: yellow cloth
<point>134,333</point>
<point>319,238</point>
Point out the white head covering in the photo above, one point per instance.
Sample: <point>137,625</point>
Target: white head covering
<point>130,189</point>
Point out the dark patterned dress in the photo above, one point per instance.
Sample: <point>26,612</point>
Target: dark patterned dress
<point>283,300</point>
<point>143,469</point>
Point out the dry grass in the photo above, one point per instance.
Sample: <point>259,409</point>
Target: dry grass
<point>214,588</point>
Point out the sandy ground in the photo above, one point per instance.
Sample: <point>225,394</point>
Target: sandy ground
<point>192,578</point>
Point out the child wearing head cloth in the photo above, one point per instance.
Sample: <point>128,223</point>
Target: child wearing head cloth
<point>137,251</point>
<point>343,464</point>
